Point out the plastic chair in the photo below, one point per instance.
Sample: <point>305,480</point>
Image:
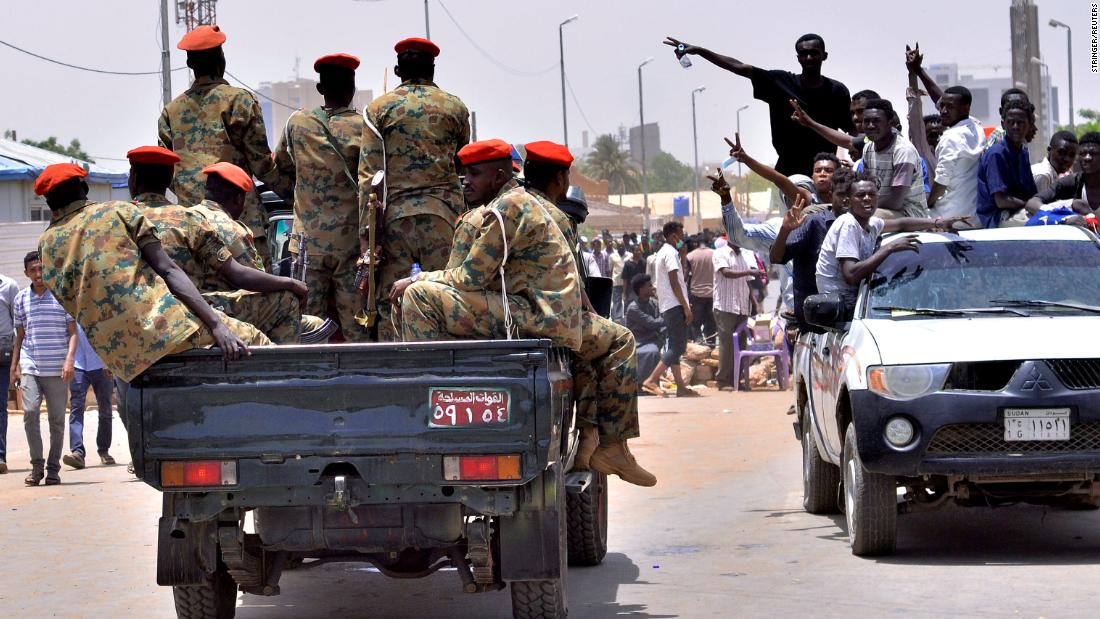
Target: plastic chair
<point>757,348</point>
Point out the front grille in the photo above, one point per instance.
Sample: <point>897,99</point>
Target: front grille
<point>1077,373</point>
<point>981,375</point>
<point>989,439</point>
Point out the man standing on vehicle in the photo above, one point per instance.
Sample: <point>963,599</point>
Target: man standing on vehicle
<point>413,133</point>
<point>319,155</point>
<point>213,121</point>
<point>105,265</point>
<point>217,257</point>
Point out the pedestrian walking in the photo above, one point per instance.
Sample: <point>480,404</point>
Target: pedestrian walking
<point>8,290</point>
<point>88,371</point>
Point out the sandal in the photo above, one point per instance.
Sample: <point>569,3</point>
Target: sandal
<point>654,390</point>
<point>687,393</point>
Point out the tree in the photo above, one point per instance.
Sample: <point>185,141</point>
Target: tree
<point>608,162</point>
<point>1093,124</point>
<point>667,173</point>
<point>73,150</point>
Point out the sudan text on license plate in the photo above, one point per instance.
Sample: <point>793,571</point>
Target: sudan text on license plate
<point>1037,424</point>
<point>457,407</point>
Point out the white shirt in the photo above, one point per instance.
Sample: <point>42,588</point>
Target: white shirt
<point>668,261</point>
<point>8,290</point>
<point>590,264</point>
<point>616,262</point>
<point>845,239</point>
<point>731,295</point>
<point>957,156</point>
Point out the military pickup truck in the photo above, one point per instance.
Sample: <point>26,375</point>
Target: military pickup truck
<point>410,457</point>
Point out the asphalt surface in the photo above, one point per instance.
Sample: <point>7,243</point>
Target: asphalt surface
<point>721,535</point>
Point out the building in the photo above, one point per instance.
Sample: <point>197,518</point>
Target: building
<point>21,163</point>
<point>298,93</point>
<point>652,142</point>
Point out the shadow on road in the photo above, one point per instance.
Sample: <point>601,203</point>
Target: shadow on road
<point>352,590</point>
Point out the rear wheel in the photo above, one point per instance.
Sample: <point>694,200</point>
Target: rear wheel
<point>820,479</point>
<point>214,599</point>
<point>545,599</point>
<point>587,513</point>
<point>870,504</point>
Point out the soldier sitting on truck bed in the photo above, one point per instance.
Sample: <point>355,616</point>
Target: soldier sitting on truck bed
<point>539,289</point>
<point>268,302</point>
<point>105,265</point>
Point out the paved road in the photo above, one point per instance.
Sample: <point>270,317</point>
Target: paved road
<point>722,535</point>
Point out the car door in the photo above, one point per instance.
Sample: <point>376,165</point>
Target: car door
<point>821,376</point>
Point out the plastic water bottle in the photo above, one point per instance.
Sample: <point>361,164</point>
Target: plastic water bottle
<point>415,270</point>
<point>685,62</point>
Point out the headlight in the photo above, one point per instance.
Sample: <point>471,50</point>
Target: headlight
<point>907,382</point>
<point>899,431</point>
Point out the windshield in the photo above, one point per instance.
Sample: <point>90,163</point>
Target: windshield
<point>972,275</point>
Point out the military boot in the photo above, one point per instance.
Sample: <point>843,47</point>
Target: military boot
<point>590,440</point>
<point>616,459</point>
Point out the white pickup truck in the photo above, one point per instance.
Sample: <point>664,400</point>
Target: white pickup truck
<point>970,372</point>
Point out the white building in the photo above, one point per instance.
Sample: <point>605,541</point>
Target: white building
<point>20,165</point>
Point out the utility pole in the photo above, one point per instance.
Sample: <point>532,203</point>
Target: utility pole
<point>165,58</point>
<point>561,52</point>
<point>641,131</point>
<point>695,176</point>
<point>427,23</point>
<point>1054,23</point>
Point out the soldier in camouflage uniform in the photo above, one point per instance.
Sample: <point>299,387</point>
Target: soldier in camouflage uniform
<point>413,133</point>
<point>213,121</point>
<point>319,154</point>
<point>605,371</point>
<point>104,264</point>
<point>268,302</point>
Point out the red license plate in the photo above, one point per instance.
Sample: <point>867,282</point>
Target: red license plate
<point>453,408</point>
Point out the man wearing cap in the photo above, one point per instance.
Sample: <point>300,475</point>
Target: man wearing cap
<point>193,243</point>
<point>319,154</point>
<point>605,370</point>
<point>105,265</point>
<point>213,121</point>
<point>413,133</point>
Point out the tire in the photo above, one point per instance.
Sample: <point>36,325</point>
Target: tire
<point>870,504</point>
<point>217,599</point>
<point>820,479</point>
<point>587,513</point>
<point>545,599</point>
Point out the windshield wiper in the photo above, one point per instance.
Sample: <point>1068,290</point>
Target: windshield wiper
<point>962,311</point>
<point>1043,303</point>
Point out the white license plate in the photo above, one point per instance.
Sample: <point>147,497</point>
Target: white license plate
<point>1037,424</point>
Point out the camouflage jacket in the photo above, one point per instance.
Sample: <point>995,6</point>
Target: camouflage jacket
<point>422,128</point>
<point>565,224</point>
<point>189,239</point>
<point>210,122</point>
<point>92,262</point>
<point>326,200</point>
<point>539,265</point>
<point>234,235</point>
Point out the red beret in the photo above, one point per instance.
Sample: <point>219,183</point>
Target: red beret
<point>549,152</point>
<point>56,174</point>
<point>344,61</point>
<point>231,173</point>
<point>202,38</point>
<point>485,150</point>
<point>153,155</point>
<point>417,44</point>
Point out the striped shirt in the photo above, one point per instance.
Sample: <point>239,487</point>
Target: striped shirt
<point>46,334</point>
<point>731,295</point>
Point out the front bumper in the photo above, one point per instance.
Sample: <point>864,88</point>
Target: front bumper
<point>971,427</point>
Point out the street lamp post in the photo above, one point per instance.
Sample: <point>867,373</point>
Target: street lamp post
<point>695,141</point>
<point>739,110</point>
<point>427,24</point>
<point>561,53</point>
<point>1054,23</point>
<point>641,131</point>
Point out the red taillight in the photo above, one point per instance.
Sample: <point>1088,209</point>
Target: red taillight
<point>198,473</point>
<point>481,468</point>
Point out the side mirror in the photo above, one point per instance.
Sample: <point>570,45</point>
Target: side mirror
<point>825,311</point>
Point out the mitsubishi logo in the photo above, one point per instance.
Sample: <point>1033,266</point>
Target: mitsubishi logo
<point>1036,382</point>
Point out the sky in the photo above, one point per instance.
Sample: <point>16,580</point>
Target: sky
<point>512,81</point>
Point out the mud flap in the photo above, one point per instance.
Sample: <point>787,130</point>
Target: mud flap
<point>530,548</point>
<point>186,551</point>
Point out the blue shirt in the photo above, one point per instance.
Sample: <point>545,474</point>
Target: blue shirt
<point>1003,168</point>
<point>45,333</point>
<point>85,359</point>
<point>803,246</point>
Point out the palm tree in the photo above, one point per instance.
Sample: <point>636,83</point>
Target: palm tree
<point>608,162</point>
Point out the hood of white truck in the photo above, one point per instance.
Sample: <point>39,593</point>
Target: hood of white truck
<point>984,338</point>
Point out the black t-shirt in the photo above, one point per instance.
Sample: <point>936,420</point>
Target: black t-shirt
<point>1066,188</point>
<point>630,269</point>
<point>828,104</point>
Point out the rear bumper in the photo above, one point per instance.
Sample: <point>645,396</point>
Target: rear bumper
<point>976,445</point>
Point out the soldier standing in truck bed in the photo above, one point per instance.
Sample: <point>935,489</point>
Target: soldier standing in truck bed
<point>413,133</point>
<point>213,121</point>
<point>319,155</point>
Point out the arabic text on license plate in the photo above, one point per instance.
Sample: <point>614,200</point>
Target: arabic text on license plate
<point>452,408</point>
<point>1037,424</point>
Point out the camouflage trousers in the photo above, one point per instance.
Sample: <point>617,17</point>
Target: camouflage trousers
<point>431,311</point>
<point>605,379</point>
<point>204,338</point>
<point>333,276</point>
<point>425,239</point>
<point>276,314</point>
